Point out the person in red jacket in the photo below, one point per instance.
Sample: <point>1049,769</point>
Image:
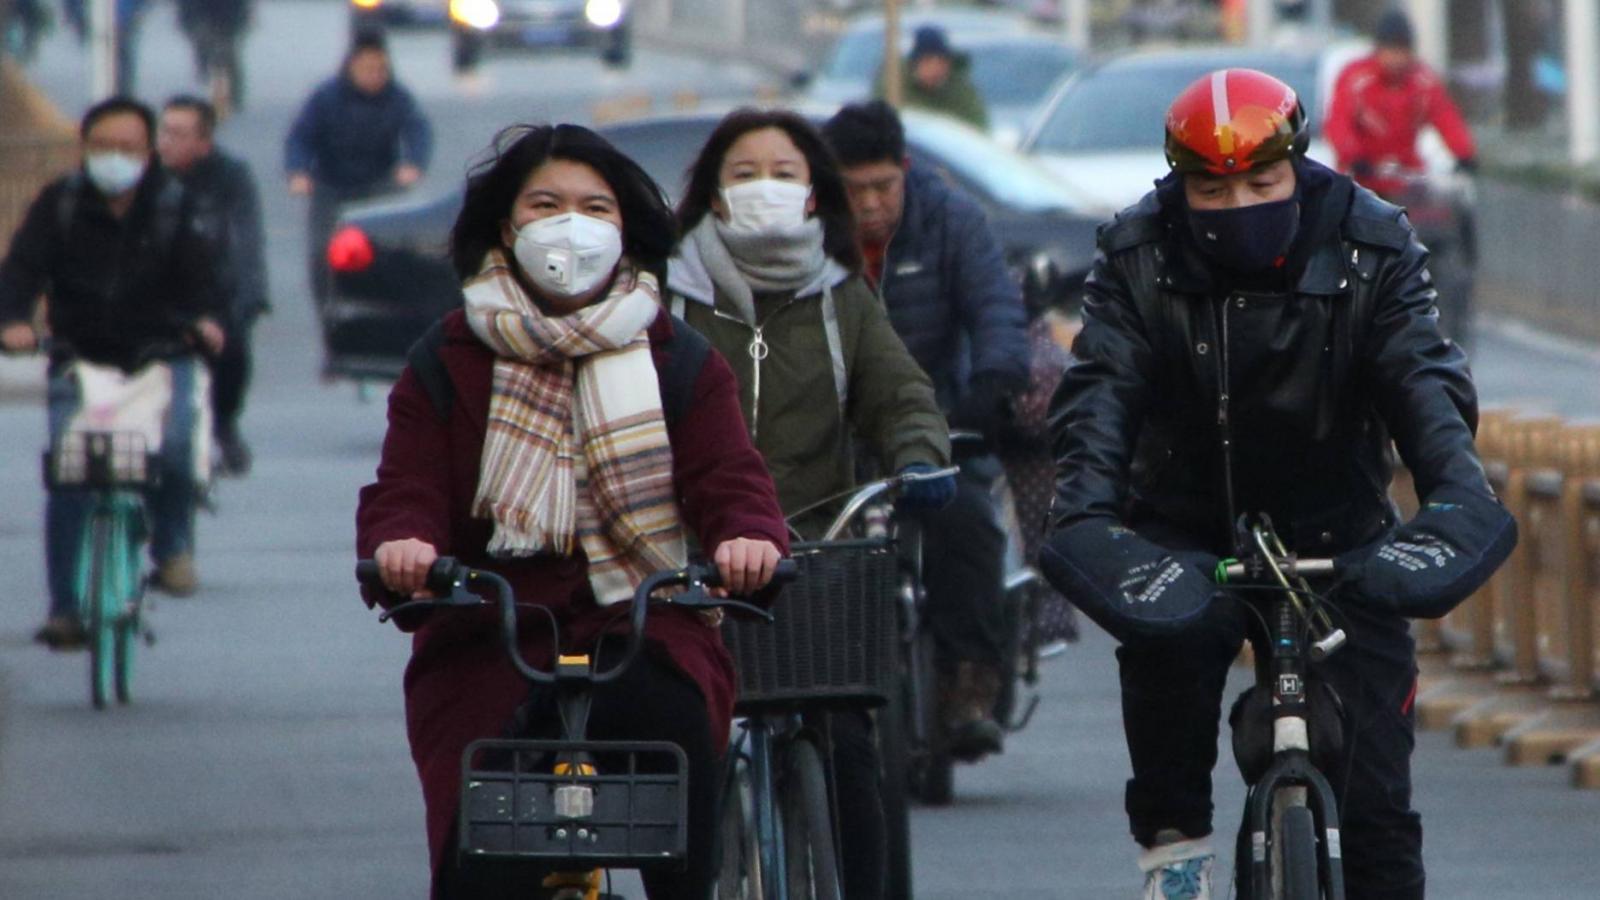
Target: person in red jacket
<point>561,243</point>
<point>1381,103</point>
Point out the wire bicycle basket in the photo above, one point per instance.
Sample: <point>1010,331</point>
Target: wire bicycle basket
<point>100,460</point>
<point>832,641</point>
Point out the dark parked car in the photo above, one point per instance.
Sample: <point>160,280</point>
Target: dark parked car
<point>391,278</point>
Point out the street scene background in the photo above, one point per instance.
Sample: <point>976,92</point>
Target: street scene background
<point>265,754</point>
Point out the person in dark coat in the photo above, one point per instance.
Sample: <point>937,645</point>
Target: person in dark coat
<point>228,209</point>
<point>116,249</point>
<point>932,258</point>
<point>359,135</point>
<point>1258,332</point>
<point>214,28</point>
<point>561,241</point>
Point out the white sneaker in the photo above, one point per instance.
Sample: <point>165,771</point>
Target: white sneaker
<point>1178,871</point>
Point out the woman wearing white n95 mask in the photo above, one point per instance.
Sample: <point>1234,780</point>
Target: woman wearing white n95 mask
<point>769,270</point>
<point>560,242</point>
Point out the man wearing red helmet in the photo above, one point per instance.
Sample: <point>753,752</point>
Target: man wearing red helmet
<point>1256,331</point>
<point>1382,102</point>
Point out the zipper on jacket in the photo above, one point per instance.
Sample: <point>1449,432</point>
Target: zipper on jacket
<point>758,350</point>
<point>1226,427</point>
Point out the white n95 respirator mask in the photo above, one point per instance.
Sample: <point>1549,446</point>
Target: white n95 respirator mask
<point>766,205</point>
<point>569,254</point>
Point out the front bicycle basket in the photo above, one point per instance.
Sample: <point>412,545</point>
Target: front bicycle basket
<point>832,642</point>
<point>100,460</point>
<point>633,813</point>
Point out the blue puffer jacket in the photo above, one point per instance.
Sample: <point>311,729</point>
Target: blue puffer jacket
<point>348,139</point>
<point>949,294</point>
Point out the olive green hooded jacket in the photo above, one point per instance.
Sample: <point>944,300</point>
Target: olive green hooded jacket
<point>819,367</point>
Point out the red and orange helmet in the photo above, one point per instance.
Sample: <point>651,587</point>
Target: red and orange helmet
<point>1232,121</point>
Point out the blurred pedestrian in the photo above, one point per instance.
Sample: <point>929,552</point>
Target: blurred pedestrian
<point>1381,104</point>
<point>127,15</point>
<point>359,135</point>
<point>214,28</point>
<point>129,279</point>
<point>939,80</point>
<point>229,210</point>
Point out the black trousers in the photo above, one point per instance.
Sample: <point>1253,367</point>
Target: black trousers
<point>963,568</point>
<point>1171,704</point>
<point>230,376</point>
<point>651,702</point>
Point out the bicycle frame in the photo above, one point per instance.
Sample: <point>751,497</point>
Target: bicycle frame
<point>1292,778</point>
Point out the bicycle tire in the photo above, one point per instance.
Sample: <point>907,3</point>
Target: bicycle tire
<point>97,621</point>
<point>893,748</point>
<point>812,864</point>
<point>739,873</point>
<point>1299,836</point>
<point>126,617</point>
<point>933,772</point>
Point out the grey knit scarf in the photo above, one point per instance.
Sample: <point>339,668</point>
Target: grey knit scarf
<point>742,264</point>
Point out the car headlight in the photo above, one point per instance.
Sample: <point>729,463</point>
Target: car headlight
<point>480,14</point>
<point>366,4</point>
<point>603,13</point>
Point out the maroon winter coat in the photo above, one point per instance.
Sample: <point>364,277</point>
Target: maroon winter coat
<point>459,685</point>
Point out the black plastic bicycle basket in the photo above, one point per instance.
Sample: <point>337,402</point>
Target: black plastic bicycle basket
<point>833,641</point>
<point>511,813</point>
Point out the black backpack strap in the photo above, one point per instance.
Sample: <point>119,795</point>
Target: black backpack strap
<point>428,368</point>
<point>686,355</point>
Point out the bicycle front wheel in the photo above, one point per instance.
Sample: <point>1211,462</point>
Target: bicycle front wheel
<point>1299,834</point>
<point>739,875</point>
<point>98,619</point>
<point>894,726</point>
<point>813,866</point>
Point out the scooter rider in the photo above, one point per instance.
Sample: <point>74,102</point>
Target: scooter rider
<point>1257,330</point>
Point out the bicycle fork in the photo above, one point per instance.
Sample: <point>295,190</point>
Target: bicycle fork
<point>1292,775</point>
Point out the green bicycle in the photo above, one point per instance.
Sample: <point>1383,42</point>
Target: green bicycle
<point>116,469</point>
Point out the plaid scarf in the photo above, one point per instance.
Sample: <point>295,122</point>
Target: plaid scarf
<point>576,445</point>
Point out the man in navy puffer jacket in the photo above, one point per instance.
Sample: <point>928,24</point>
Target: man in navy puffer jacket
<point>359,135</point>
<point>940,272</point>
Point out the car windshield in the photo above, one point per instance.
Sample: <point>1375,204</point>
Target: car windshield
<point>1018,74</point>
<point>1124,108</point>
<point>859,51</point>
<point>1010,180</point>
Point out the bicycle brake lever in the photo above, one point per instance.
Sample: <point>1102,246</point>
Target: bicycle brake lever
<point>457,598</point>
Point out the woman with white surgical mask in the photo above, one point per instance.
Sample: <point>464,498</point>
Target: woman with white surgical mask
<point>769,270</point>
<point>561,430</point>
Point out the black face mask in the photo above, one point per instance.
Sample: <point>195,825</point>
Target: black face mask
<point>1247,239</point>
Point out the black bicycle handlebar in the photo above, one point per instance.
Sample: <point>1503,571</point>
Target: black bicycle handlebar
<point>449,579</point>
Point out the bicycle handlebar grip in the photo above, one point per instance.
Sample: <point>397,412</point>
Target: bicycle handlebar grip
<point>367,573</point>
<point>442,575</point>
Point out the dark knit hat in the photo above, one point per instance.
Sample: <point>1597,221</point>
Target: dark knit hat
<point>930,40</point>
<point>1394,30</point>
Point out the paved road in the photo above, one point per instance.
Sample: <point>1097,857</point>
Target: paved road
<point>265,756</point>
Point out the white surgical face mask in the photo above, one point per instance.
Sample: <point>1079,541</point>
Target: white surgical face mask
<point>570,254</point>
<point>766,205</point>
<point>113,173</point>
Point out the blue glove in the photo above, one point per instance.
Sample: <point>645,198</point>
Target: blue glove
<point>934,493</point>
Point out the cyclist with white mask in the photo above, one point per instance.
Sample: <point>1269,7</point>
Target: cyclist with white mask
<point>131,282</point>
<point>769,270</point>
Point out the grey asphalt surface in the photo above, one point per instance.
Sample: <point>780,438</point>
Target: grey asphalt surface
<point>265,755</point>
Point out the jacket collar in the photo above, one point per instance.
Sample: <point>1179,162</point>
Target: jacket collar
<point>1181,268</point>
<point>688,277</point>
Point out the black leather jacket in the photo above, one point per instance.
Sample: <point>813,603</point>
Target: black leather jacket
<point>1188,402</point>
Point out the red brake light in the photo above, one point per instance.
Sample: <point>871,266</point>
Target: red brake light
<point>349,250</point>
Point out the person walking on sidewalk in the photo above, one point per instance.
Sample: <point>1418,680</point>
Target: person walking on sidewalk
<point>228,208</point>
<point>128,274</point>
<point>360,134</point>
